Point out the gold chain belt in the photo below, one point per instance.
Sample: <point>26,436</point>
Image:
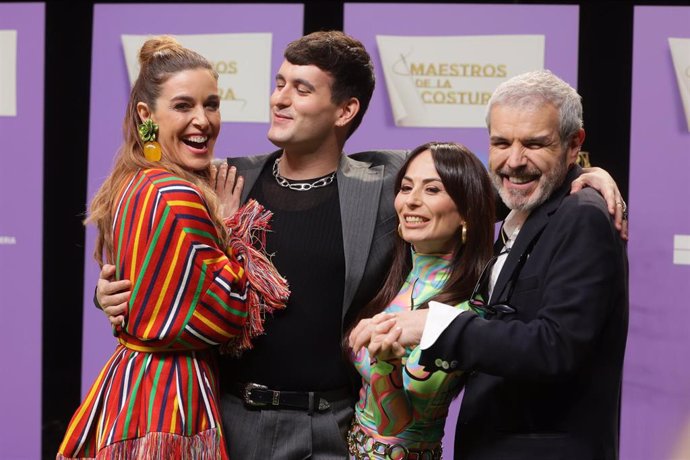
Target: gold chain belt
<point>364,447</point>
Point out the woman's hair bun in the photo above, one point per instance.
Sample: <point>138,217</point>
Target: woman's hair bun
<point>158,46</point>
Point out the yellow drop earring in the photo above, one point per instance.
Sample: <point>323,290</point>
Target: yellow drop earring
<point>148,132</point>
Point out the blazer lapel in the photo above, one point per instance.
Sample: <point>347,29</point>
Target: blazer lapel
<point>359,189</point>
<point>250,168</point>
<point>529,231</point>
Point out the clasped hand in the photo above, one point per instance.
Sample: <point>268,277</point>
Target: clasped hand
<point>386,335</point>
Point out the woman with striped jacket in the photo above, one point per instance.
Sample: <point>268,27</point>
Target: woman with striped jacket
<point>195,283</point>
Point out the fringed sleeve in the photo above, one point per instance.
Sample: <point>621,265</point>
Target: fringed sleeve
<point>267,290</point>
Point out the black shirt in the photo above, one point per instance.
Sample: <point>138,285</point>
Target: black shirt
<point>301,349</point>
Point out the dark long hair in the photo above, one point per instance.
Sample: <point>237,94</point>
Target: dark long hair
<point>467,182</point>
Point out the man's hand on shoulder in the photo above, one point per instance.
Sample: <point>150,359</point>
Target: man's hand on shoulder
<point>113,296</point>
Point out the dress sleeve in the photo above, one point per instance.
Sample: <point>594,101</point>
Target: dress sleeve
<point>187,293</point>
<point>383,395</point>
<point>389,399</point>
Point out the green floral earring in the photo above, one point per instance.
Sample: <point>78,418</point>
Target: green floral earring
<point>148,132</point>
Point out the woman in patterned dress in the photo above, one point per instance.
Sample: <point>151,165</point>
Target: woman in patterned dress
<point>158,223</point>
<point>445,207</point>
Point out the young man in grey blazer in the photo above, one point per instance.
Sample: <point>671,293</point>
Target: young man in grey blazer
<point>332,234</point>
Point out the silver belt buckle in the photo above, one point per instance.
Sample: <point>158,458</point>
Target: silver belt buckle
<point>248,391</point>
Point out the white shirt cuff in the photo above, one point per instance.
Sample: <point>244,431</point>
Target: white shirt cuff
<point>439,317</point>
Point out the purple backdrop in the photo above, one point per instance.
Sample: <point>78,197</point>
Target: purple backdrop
<point>656,390</point>
<point>110,91</point>
<point>21,229</point>
<point>559,24</point>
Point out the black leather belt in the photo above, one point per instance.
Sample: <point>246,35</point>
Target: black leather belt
<point>259,396</point>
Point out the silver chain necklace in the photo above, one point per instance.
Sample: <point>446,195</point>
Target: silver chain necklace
<point>300,186</point>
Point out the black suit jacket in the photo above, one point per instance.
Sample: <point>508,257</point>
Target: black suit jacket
<point>544,382</point>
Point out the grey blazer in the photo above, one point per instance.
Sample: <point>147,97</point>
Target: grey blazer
<point>366,183</point>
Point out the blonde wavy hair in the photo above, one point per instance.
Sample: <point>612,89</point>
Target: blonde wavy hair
<point>160,58</point>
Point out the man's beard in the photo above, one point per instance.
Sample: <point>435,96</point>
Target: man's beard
<point>524,201</point>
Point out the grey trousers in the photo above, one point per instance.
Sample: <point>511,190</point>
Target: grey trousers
<point>282,434</point>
